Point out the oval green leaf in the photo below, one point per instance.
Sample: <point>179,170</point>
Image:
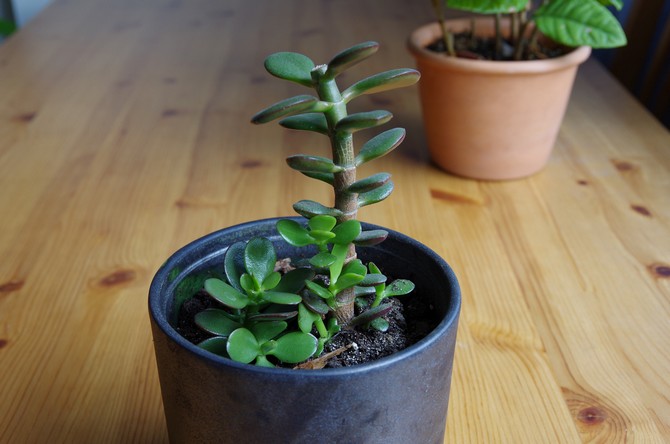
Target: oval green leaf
<point>369,183</point>
<point>290,66</point>
<point>380,145</point>
<point>302,162</point>
<point>264,331</point>
<point>384,81</point>
<point>260,258</point>
<point>294,233</point>
<point>350,57</point>
<point>309,209</point>
<point>364,120</point>
<point>295,347</point>
<point>225,294</point>
<point>489,6</point>
<point>399,287</point>
<point>282,298</point>
<point>371,237</point>
<point>242,346</point>
<point>306,318</point>
<point>376,195</point>
<point>315,303</point>
<point>346,232</point>
<point>324,223</point>
<point>286,107</point>
<point>315,122</point>
<point>216,345</point>
<point>578,22</point>
<point>233,262</point>
<point>294,280</point>
<point>216,321</point>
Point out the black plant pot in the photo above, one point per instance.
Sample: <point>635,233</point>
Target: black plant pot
<point>400,399</point>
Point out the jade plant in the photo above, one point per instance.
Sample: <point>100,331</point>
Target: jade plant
<point>265,316</point>
<point>568,22</point>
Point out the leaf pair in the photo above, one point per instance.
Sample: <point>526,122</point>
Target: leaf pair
<point>321,230</point>
<point>256,343</point>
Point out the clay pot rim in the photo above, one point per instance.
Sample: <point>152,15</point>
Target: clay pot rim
<point>428,33</point>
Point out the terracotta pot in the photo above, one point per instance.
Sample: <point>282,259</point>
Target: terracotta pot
<point>401,398</point>
<point>491,119</point>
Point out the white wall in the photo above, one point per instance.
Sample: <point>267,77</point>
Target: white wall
<point>24,10</point>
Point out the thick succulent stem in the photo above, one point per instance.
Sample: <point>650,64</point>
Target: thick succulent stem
<point>343,154</point>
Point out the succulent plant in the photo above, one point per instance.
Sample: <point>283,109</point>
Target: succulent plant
<point>291,316</point>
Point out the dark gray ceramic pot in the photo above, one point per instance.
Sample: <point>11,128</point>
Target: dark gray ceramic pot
<point>398,399</point>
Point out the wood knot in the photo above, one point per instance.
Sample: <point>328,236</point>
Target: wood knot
<point>25,117</point>
<point>250,164</point>
<point>452,197</point>
<point>623,165</point>
<point>592,415</point>
<point>583,182</point>
<point>171,112</point>
<point>118,277</point>
<point>641,210</point>
<point>660,270</point>
<point>10,286</point>
<point>3,343</point>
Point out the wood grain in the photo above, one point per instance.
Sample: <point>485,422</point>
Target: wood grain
<point>125,135</point>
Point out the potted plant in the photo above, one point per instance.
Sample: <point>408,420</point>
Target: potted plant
<point>495,87</point>
<point>268,325</point>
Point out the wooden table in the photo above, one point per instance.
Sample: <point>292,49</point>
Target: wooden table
<point>125,135</point>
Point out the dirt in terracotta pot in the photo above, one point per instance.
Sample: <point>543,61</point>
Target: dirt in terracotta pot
<point>410,320</point>
<point>482,48</point>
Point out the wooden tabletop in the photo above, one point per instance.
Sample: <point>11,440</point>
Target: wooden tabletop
<point>125,134</point>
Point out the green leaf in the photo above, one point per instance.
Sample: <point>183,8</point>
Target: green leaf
<point>7,28</point>
<point>317,164</point>
<point>233,262</point>
<point>380,145</point>
<point>282,298</point>
<point>249,284</point>
<point>226,294</point>
<point>369,183</point>
<point>350,57</point>
<point>260,258</point>
<point>315,303</point>
<point>399,287</point>
<point>319,290</point>
<point>287,107</point>
<point>264,331</point>
<point>372,279</point>
<point>294,280</point>
<point>579,22</point>
<point>322,223</point>
<point>262,361</point>
<point>380,324</point>
<point>356,266</point>
<point>364,120</point>
<point>364,291</point>
<point>328,178</point>
<point>216,345</point>
<point>242,346</point>
<point>309,209</point>
<point>290,66</point>
<point>216,321</point>
<point>294,233</point>
<point>618,4</point>
<point>323,260</point>
<point>347,280</point>
<point>295,347</point>
<point>271,281</point>
<point>371,237</point>
<point>371,314</point>
<point>489,6</point>
<point>376,195</point>
<point>340,252</point>
<point>306,318</point>
<point>272,316</point>
<point>315,122</point>
<point>346,232</point>
<point>384,81</point>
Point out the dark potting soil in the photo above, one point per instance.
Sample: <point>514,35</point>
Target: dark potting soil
<point>410,320</point>
<point>482,48</point>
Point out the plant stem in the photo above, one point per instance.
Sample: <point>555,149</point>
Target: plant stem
<point>498,37</point>
<point>447,37</point>
<point>342,145</point>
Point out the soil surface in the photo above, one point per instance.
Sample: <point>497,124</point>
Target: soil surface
<point>410,320</point>
<point>469,47</point>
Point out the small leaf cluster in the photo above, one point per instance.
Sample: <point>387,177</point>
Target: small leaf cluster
<point>568,22</point>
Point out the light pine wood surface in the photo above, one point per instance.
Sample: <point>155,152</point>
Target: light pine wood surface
<point>124,134</point>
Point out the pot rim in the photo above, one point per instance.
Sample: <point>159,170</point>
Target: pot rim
<point>159,316</point>
<point>428,33</point>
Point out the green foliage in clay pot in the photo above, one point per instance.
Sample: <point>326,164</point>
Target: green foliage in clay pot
<point>264,315</point>
<point>568,22</point>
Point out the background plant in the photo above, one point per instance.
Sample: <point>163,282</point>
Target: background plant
<point>568,22</point>
<point>291,316</point>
